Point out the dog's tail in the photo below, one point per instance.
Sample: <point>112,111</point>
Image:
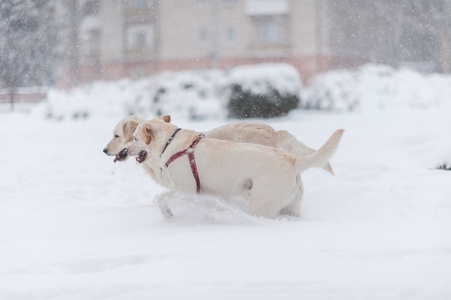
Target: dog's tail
<point>321,157</point>
<point>288,143</point>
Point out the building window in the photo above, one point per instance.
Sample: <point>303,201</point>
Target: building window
<point>266,7</point>
<point>140,39</point>
<point>94,42</point>
<point>230,2</point>
<point>139,36</point>
<point>137,4</point>
<point>201,3</point>
<point>202,36</point>
<point>230,35</point>
<point>271,31</point>
<point>90,7</point>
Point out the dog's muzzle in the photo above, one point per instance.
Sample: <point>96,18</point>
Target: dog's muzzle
<point>141,156</point>
<point>122,155</point>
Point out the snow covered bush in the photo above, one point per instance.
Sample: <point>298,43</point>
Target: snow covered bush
<point>112,99</point>
<point>262,91</point>
<point>251,91</point>
<point>334,90</point>
<point>376,88</point>
<point>192,94</point>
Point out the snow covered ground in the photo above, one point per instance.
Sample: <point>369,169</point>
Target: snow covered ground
<point>74,225</point>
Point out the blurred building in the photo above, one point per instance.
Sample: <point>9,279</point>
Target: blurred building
<point>112,39</point>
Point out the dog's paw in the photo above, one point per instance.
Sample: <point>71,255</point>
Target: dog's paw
<point>166,211</point>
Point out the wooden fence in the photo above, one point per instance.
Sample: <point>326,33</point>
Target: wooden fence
<point>23,97</point>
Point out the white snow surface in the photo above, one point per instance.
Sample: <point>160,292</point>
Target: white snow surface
<point>74,225</point>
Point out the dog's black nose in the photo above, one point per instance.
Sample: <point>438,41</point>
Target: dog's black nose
<point>105,150</point>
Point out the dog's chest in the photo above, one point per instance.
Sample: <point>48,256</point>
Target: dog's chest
<point>179,174</point>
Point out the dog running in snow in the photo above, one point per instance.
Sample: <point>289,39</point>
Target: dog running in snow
<point>245,132</point>
<point>270,177</point>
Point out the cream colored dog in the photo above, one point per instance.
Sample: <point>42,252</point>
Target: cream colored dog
<point>269,176</point>
<point>246,132</point>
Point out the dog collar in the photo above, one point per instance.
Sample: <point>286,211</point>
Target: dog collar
<point>170,140</point>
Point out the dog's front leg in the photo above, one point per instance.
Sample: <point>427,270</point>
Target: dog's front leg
<point>162,202</point>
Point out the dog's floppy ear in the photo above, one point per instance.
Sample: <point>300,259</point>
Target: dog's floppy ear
<point>128,129</point>
<point>147,132</point>
<point>166,118</point>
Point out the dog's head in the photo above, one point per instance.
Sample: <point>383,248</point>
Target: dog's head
<point>123,137</point>
<point>149,136</point>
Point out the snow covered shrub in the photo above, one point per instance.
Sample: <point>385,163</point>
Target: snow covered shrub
<point>114,98</point>
<point>262,91</point>
<point>376,88</point>
<point>335,90</point>
<point>192,94</point>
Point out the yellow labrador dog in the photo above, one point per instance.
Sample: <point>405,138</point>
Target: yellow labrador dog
<point>190,163</point>
<point>245,132</point>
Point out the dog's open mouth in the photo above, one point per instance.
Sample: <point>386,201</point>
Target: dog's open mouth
<point>121,155</point>
<point>141,156</point>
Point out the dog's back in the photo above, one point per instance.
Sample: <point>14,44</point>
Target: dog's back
<point>245,132</point>
<point>262,134</point>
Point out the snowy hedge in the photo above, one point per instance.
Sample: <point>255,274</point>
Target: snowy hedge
<point>111,99</point>
<point>376,88</point>
<point>253,91</point>
<point>262,91</point>
<point>265,91</point>
<point>192,94</point>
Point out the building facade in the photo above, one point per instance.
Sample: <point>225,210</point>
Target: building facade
<point>112,39</point>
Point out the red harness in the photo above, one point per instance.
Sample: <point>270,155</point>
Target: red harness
<point>192,160</point>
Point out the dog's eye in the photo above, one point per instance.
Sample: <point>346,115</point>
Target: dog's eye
<point>116,136</point>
